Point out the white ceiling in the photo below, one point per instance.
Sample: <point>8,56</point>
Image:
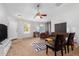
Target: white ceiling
<point>28,10</point>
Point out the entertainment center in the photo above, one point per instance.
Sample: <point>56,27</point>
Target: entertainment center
<point>4,47</point>
<point>5,42</point>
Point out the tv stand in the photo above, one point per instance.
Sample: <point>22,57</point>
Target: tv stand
<point>4,47</point>
<point>0,43</point>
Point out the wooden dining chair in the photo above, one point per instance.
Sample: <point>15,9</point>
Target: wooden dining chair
<point>57,45</point>
<point>70,41</point>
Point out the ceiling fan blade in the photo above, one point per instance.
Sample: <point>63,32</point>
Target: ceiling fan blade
<point>43,14</point>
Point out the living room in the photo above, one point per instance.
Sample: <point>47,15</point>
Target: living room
<point>25,27</point>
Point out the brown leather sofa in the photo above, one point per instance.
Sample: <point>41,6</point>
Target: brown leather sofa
<point>44,35</point>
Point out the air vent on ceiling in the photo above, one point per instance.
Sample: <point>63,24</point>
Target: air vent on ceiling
<point>58,4</point>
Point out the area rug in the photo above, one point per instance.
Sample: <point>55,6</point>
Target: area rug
<point>39,46</point>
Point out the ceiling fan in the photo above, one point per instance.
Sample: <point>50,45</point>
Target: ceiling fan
<point>40,14</point>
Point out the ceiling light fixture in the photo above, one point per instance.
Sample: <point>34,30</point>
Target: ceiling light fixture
<point>39,14</point>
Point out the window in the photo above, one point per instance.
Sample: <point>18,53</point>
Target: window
<point>26,28</point>
<point>37,28</point>
<point>40,28</point>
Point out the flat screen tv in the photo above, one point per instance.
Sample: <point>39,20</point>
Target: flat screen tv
<point>3,32</point>
<point>60,27</point>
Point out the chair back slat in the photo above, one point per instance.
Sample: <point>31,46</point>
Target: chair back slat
<point>59,42</point>
<point>70,38</point>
